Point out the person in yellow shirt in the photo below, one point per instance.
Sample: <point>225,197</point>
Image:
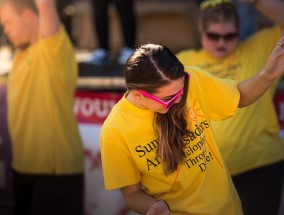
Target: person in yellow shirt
<point>157,144</point>
<point>249,141</point>
<point>46,145</point>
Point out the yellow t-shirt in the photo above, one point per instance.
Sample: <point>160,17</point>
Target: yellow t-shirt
<point>41,85</point>
<point>251,138</point>
<point>202,185</point>
<point>3,81</point>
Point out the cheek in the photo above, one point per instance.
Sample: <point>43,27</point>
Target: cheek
<point>235,44</point>
<point>209,47</point>
<point>20,25</point>
<point>13,30</point>
<point>231,47</point>
<point>157,107</point>
<point>21,29</point>
<point>151,105</point>
<point>207,44</point>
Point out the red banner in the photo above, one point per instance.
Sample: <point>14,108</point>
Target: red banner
<point>94,107</point>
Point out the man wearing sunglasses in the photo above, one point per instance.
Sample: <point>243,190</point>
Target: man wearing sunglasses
<point>249,141</point>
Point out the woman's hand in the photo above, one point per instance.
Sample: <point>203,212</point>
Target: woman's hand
<point>274,67</point>
<point>159,208</point>
<point>251,89</point>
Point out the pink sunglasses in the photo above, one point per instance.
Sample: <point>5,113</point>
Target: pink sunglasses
<point>166,104</point>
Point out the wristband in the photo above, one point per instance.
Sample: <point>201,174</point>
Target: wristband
<point>165,203</point>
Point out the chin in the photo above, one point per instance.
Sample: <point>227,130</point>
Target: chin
<point>220,55</point>
<point>22,46</point>
<point>164,111</point>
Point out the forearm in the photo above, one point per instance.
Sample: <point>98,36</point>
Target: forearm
<point>48,17</point>
<point>252,89</point>
<point>272,9</point>
<point>139,202</point>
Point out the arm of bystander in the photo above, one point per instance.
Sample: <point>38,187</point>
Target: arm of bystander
<point>272,9</point>
<point>49,21</point>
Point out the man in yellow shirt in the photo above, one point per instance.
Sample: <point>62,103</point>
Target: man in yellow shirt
<point>46,145</point>
<point>249,141</point>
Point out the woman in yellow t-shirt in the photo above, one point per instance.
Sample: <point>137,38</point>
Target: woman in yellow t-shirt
<point>249,142</point>
<point>157,144</point>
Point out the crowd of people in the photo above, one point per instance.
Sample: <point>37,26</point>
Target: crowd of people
<point>196,131</point>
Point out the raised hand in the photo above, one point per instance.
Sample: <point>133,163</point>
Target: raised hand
<point>274,67</point>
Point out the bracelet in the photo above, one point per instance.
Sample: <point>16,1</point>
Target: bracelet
<point>254,2</point>
<point>165,203</point>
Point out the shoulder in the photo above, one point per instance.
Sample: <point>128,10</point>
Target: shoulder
<point>197,73</point>
<point>186,55</point>
<point>201,79</point>
<point>268,35</point>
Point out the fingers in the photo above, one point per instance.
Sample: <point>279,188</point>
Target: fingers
<point>275,63</point>
<point>278,49</point>
<point>153,209</point>
<point>158,208</point>
<point>280,44</point>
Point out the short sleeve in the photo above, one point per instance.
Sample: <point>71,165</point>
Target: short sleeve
<point>119,168</point>
<point>218,97</point>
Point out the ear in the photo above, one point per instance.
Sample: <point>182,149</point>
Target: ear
<point>137,95</point>
<point>29,15</point>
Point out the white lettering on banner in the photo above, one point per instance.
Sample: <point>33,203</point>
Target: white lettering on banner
<point>94,107</point>
<point>88,107</point>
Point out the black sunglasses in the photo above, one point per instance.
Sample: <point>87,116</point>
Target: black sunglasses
<point>226,37</point>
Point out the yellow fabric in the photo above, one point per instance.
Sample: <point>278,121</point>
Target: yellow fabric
<point>202,185</point>
<point>251,138</point>
<point>43,127</point>
<point>3,81</point>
